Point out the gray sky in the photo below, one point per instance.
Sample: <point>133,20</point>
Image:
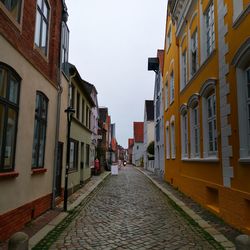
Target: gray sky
<point>110,42</point>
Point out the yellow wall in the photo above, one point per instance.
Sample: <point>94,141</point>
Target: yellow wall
<point>203,179</point>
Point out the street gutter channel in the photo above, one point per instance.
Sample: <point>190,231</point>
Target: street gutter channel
<point>218,240</point>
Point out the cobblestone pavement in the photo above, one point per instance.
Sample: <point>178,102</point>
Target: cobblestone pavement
<point>228,231</point>
<point>129,212</point>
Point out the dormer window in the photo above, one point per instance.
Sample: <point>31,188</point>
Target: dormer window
<point>42,26</point>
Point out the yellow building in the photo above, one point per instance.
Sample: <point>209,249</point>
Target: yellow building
<point>207,105</point>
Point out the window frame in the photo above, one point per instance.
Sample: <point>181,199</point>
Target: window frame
<point>166,95</point>
<point>74,167</point>
<point>209,29</point>
<point>171,87</point>
<point>9,105</point>
<point>195,128</point>
<point>194,52</point>
<point>184,135</point>
<point>65,48</point>
<point>172,140</point>
<point>43,19</point>
<point>39,121</point>
<point>167,143</point>
<point>6,7</point>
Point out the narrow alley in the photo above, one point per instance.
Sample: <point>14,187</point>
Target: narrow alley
<point>129,212</point>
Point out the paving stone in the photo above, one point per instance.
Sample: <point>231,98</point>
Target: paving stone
<point>129,212</point>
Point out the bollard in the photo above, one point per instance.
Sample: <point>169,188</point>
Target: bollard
<point>19,241</point>
<point>242,242</point>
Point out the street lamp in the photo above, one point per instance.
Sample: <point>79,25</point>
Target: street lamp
<point>70,111</point>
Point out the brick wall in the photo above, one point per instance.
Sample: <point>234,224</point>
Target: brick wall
<point>14,220</point>
<point>23,39</point>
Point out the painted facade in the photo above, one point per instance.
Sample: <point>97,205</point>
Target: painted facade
<point>33,90</point>
<point>80,133</point>
<point>158,118</point>
<point>206,84</point>
<point>148,127</point>
<point>138,148</point>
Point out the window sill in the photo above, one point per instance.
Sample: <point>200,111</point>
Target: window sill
<point>245,160</point>
<point>38,171</point>
<point>194,76</point>
<point>9,175</point>
<point>211,159</point>
<point>71,171</point>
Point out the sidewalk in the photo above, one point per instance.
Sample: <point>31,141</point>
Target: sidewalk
<point>42,225</point>
<point>219,230</point>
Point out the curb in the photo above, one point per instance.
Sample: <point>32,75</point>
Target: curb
<point>214,233</point>
<point>36,238</point>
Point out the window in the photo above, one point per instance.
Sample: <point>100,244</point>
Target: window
<point>9,99</point>
<point>72,96</point>
<point>184,68</point>
<point>167,144</point>
<point>41,111</point>
<point>65,48</point>
<point>194,53</point>
<point>195,132</point>
<point>172,141</point>
<point>83,111</point>
<point>158,106</point>
<point>73,157</point>
<point>42,25</point>
<point>14,7</point>
<point>209,25</point>
<point>169,37</point>
<point>87,116</point>
<point>211,120</point>
<point>77,105</point>
<point>166,95</point>
<point>184,133</point>
<point>87,155</point>
<point>171,87</point>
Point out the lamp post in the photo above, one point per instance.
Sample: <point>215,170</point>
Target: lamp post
<point>70,111</point>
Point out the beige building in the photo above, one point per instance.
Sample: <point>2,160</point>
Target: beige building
<point>80,134</point>
<point>32,97</point>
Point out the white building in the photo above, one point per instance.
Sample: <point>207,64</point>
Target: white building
<point>149,128</point>
<point>138,149</point>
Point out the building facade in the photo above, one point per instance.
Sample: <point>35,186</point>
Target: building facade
<point>80,132</point>
<point>138,148</point>
<point>32,87</point>
<point>206,82</point>
<point>148,128</point>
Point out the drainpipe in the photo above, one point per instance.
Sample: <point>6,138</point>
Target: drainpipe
<point>58,110</point>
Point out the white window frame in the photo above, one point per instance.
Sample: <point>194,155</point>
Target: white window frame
<point>209,29</point>
<point>172,131</point>
<point>166,95</point>
<point>39,27</point>
<point>184,68</point>
<point>184,135</point>
<point>167,142</point>
<point>194,53</point>
<point>195,132</point>
<point>172,87</point>
<point>208,93</point>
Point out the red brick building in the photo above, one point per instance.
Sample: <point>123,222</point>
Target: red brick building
<point>32,102</point>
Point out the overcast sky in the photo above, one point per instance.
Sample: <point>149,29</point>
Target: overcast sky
<point>110,42</point>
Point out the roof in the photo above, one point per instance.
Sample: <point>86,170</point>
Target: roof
<point>138,131</point>
<point>149,108</point>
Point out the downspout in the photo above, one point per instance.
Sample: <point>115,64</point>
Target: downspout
<point>58,110</point>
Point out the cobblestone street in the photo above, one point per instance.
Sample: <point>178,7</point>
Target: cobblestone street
<point>130,213</point>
